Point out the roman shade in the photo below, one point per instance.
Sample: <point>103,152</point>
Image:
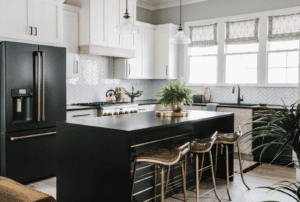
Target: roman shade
<point>284,27</point>
<point>242,32</point>
<point>204,35</point>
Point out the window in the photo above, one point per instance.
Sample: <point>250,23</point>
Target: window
<point>241,52</point>
<point>203,54</point>
<point>283,49</point>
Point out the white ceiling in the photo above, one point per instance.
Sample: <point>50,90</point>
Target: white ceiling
<point>160,4</point>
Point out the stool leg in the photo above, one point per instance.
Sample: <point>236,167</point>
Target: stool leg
<point>202,162</point>
<point>167,183</point>
<point>213,176</point>
<point>162,184</point>
<point>216,159</point>
<point>227,173</point>
<point>241,167</point>
<point>197,178</point>
<point>133,181</point>
<point>155,181</point>
<point>184,182</point>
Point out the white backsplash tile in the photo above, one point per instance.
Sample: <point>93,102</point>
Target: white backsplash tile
<point>96,77</point>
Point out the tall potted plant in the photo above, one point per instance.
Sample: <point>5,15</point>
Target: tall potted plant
<point>284,129</point>
<point>175,95</point>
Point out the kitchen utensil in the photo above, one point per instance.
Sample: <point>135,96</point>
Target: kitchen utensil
<point>111,96</point>
<point>207,95</point>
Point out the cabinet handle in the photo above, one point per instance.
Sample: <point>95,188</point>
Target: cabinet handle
<point>81,115</point>
<point>76,67</point>
<point>142,109</point>
<point>31,136</point>
<point>129,69</point>
<point>30,30</point>
<point>167,70</point>
<point>35,31</point>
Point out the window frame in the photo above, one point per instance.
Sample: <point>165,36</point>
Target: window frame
<point>262,60</point>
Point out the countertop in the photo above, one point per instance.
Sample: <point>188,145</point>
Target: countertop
<point>140,121</point>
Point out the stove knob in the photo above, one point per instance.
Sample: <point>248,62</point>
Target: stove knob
<point>126,112</point>
<point>105,114</point>
<point>131,111</point>
<point>121,113</point>
<point>135,111</point>
<point>116,113</point>
<point>109,114</point>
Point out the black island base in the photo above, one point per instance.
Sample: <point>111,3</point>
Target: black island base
<point>94,156</point>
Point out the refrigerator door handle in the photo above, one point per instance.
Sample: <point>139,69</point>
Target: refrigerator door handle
<point>39,87</point>
<point>43,93</point>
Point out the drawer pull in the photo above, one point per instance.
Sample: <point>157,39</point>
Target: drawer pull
<point>31,136</point>
<point>142,109</point>
<point>81,115</point>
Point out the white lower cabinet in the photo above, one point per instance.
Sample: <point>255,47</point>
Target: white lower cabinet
<point>188,107</point>
<point>82,113</point>
<point>143,108</point>
<point>241,116</point>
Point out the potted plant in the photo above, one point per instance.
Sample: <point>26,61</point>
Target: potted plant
<point>133,94</point>
<point>175,95</point>
<point>284,129</point>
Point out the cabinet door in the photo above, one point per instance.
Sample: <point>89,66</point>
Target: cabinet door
<point>129,41</point>
<point>114,15</point>
<point>241,116</point>
<point>162,53</point>
<point>71,30</point>
<point>149,53</point>
<point>98,18</point>
<point>135,66</point>
<point>16,19</point>
<point>72,65</point>
<point>47,20</point>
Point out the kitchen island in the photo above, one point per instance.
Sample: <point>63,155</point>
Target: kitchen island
<point>94,156</point>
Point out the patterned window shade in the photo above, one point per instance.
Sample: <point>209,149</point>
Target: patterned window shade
<point>242,32</point>
<point>204,35</point>
<point>284,27</point>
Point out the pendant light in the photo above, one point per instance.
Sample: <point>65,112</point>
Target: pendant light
<point>180,38</point>
<point>127,27</point>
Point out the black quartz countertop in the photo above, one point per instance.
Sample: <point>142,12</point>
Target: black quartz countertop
<point>75,108</point>
<point>147,120</point>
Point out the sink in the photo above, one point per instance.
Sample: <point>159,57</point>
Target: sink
<point>235,104</point>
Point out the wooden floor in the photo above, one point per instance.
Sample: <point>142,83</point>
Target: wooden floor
<point>263,175</point>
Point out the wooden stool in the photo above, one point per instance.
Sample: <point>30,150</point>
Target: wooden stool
<point>161,157</point>
<point>12,191</point>
<point>204,146</point>
<point>229,138</point>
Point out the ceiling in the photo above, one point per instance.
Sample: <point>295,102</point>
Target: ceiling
<point>160,4</point>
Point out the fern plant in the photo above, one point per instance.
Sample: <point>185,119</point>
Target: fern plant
<point>174,94</point>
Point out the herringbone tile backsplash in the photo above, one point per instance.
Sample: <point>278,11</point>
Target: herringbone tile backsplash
<point>96,77</point>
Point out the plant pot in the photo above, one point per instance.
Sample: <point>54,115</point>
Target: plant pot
<point>132,99</point>
<point>298,174</point>
<point>177,108</point>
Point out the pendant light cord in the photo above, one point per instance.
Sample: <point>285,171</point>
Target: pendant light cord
<point>180,27</point>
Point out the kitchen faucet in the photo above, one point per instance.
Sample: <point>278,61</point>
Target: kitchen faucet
<point>239,99</point>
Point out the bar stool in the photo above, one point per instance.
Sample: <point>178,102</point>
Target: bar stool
<point>226,139</point>
<point>161,157</point>
<point>204,146</point>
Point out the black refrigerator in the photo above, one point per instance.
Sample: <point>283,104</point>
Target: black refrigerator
<point>33,98</point>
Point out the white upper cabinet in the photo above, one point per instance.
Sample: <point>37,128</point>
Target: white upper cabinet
<point>16,19</point>
<point>166,52</point>
<point>149,53</point>
<point>71,37</point>
<point>114,18</point>
<point>98,19</point>
<point>47,20</point>
<point>39,21</point>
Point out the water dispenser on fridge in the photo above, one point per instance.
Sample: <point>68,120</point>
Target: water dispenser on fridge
<point>22,105</point>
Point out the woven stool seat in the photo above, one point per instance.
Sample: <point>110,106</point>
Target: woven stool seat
<point>11,191</point>
<point>227,138</point>
<point>160,156</point>
<point>200,145</point>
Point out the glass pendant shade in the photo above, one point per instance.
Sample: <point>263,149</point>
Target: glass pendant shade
<point>180,38</point>
<point>126,27</point>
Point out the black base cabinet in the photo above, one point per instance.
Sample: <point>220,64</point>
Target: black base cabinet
<point>28,159</point>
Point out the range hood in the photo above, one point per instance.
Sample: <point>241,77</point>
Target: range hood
<point>107,51</point>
